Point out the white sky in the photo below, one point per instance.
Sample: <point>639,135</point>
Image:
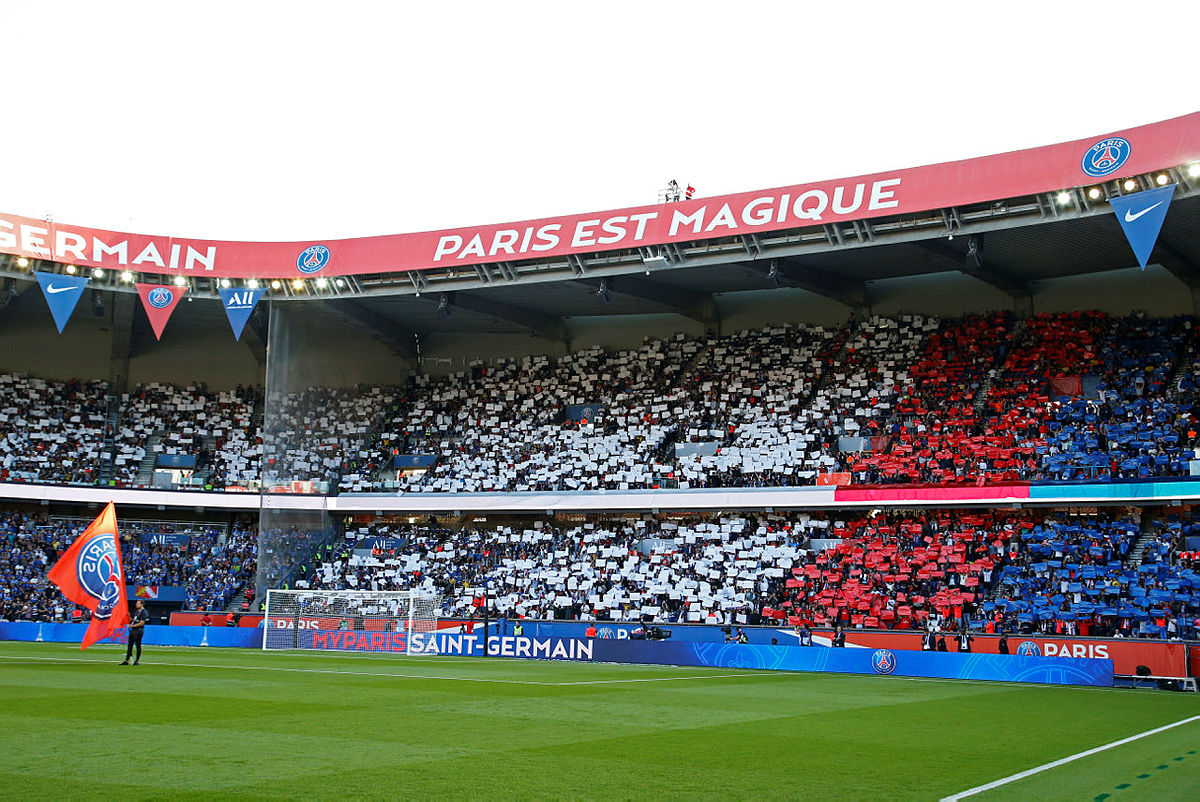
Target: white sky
<point>312,120</point>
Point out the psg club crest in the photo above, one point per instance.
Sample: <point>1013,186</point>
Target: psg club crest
<point>98,573</point>
<point>883,661</point>
<point>312,259</point>
<point>1106,156</point>
<point>1029,648</point>
<point>160,297</point>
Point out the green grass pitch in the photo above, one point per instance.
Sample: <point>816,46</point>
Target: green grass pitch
<point>227,723</point>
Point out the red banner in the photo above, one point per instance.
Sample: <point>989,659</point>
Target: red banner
<point>1067,385</point>
<point>180,619</point>
<point>1008,175</point>
<point>159,301</point>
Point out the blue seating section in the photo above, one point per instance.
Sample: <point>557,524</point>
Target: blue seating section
<point>1133,423</point>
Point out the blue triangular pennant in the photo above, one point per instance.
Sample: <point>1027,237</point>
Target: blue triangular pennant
<point>62,293</point>
<point>239,304</point>
<point>1141,216</point>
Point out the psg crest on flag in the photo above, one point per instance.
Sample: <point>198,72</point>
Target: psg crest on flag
<point>883,661</point>
<point>98,573</point>
<point>1106,156</point>
<point>312,259</point>
<point>160,297</point>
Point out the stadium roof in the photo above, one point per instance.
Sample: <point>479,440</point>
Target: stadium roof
<point>1008,220</point>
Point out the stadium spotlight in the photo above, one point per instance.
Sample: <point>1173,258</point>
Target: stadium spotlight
<point>297,284</point>
<point>1130,185</point>
<point>23,262</point>
<point>1161,179</point>
<point>126,276</point>
<point>1194,170</point>
<point>1094,193</point>
<point>225,283</point>
<point>97,273</point>
<point>654,262</point>
<point>180,281</point>
<point>322,283</point>
<point>252,284</point>
<point>276,284</point>
<point>71,269</point>
<point>341,282</point>
<point>1064,198</point>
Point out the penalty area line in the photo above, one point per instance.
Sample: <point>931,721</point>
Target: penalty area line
<point>979,789</point>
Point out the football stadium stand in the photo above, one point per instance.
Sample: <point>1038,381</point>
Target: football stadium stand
<point>887,400</point>
<point>1016,571</point>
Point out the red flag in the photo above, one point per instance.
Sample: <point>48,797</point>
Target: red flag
<point>691,190</point>
<point>90,574</point>
<point>159,301</point>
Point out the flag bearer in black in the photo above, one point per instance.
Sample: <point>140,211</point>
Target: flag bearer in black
<point>137,628</point>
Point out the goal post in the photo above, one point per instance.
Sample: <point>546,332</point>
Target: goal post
<point>300,619</point>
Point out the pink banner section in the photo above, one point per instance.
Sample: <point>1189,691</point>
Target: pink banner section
<point>1080,163</point>
<point>919,494</point>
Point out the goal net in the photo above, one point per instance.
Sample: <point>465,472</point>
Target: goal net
<point>360,620</point>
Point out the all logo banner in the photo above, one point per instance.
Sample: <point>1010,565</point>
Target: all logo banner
<point>239,305</point>
<point>62,294</point>
<point>1141,217</point>
<point>159,301</point>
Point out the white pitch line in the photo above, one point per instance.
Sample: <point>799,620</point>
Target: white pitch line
<point>280,668</point>
<point>979,789</point>
<point>674,679</point>
<point>23,659</point>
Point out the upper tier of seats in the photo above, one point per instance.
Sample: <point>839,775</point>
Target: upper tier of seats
<point>985,398</point>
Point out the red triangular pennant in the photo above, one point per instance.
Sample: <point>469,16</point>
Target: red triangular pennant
<point>159,302</point>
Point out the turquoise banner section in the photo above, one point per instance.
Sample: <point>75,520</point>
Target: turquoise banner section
<point>1116,491</point>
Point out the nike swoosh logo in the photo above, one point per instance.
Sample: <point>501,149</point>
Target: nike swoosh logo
<point>53,289</point>
<point>1130,216</point>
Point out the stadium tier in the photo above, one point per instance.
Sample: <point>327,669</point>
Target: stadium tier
<point>206,564</point>
<point>999,570</point>
<point>909,400</point>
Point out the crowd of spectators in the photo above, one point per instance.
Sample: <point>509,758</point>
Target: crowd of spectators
<point>51,431</point>
<point>214,427</point>
<point>225,569</point>
<point>1000,570</point>
<point>700,570</point>
<point>910,399</point>
<point>209,563</point>
<point>1124,574</point>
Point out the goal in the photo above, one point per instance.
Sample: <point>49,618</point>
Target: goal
<point>371,620</point>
